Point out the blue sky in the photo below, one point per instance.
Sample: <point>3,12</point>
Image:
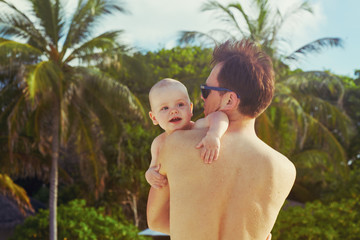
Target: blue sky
<point>154,24</point>
<point>341,20</point>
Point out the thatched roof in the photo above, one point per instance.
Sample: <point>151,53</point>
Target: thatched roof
<point>10,214</point>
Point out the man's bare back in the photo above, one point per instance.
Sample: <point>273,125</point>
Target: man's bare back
<point>238,195</point>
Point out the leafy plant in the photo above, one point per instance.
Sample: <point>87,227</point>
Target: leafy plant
<point>319,221</point>
<point>77,221</point>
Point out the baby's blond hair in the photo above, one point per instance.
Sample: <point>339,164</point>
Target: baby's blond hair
<point>167,82</point>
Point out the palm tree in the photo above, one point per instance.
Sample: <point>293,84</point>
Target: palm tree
<point>65,99</point>
<point>262,29</point>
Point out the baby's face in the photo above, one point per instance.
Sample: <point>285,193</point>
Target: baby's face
<point>171,108</point>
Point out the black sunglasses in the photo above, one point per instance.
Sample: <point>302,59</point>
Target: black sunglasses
<point>205,90</point>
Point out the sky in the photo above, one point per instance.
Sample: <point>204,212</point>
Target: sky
<point>155,24</point>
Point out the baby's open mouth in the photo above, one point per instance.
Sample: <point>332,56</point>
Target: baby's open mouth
<point>175,119</point>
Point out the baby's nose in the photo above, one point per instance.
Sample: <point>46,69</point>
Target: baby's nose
<point>174,110</point>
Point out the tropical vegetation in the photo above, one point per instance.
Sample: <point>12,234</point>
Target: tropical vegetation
<point>76,221</point>
<point>60,93</point>
<point>73,120</point>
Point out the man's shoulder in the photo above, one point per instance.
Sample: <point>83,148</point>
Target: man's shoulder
<point>185,136</point>
<point>282,165</point>
<point>180,146</point>
<point>158,142</point>
<point>160,138</point>
<point>273,160</point>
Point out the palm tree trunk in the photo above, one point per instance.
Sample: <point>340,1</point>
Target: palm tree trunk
<point>54,174</point>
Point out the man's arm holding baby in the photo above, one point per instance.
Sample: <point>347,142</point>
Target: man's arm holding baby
<point>217,122</point>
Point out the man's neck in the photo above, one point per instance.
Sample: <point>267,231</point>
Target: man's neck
<point>242,124</point>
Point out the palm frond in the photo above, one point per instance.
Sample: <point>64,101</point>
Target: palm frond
<point>315,47</point>
<point>50,15</point>
<point>85,17</point>
<point>315,82</point>
<point>321,84</point>
<point>294,112</point>
<point>294,10</point>
<point>21,158</point>
<point>214,36</point>
<point>104,59</point>
<point>24,161</point>
<point>11,51</point>
<point>17,24</point>
<point>226,15</point>
<point>189,37</point>
<point>285,120</point>
<point>322,169</point>
<point>17,120</point>
<point>15,192</point>
<point>104,42</point>
<point>229,17</point>
<point>12,28</point>
<point>263,17</point>
<point>279,19</point>
<point>92,160</point>
<point>330,116</point>
<point>44,80</point>
<point>119,101</point>
<point>319,135</point>
<point>321,95</point>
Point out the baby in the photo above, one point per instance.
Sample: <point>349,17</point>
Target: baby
<point>172,110</point>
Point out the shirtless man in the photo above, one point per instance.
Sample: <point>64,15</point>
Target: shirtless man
<point>240,195</point>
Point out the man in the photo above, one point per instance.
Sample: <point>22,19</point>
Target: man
<point>240,195</point>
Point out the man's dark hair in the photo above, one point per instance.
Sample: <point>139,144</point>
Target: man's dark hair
<point>247,71</point>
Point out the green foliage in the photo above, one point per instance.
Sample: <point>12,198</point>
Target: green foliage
<point>352,108</point>
<point>180,62</point>
<point>307,122</point>
<point>336,216</point>
<point>318,221</point>
<point>126,185</point>
<point>190,65</point>
<point>344,188</point>
<point>76,221</point>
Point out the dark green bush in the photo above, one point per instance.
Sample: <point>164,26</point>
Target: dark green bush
<point>76,221</point>
<point>319,221</point>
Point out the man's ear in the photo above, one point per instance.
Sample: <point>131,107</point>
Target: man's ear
<point>229,101</point>
<point>153,118</point>
<point>191,108</point>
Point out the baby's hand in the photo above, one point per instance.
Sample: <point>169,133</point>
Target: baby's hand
<point>154,178</point>
<point>211,148</point>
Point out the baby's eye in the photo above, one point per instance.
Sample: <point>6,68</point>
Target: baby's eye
<point>181,104</point>
<point>164,108</point>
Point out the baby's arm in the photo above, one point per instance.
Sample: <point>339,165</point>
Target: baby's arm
<point>218,123</point>
<point>152,175</point>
